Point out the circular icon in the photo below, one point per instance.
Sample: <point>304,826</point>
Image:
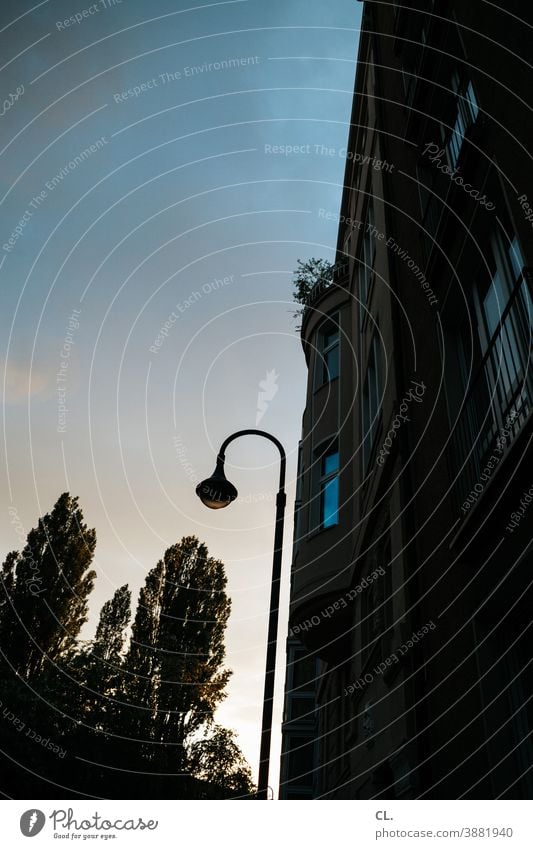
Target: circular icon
<point>32,822</point>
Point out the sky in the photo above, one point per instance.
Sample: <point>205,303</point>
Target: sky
<point>163,168</point>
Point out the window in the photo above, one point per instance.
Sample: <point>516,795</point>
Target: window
<point>328,351</point>
<point>467,111</point>
<point>363,131</point>
<point>367,257</point>
<point>371,400</point>
<point>411,66</point>
<point>329,488</point>
<point>301,757</point>
<point>371,74</point>
<point>408,79</point>
<point>298,501</point>
<point>360,148</point>
<point>426,185</point>
<point>301,707</point>
<point>494,361</point>
<point>502,326</point>
<point>376,612</point>
<point>303,670</point>
<point>431,206</point>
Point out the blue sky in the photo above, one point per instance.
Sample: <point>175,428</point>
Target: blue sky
<point>165,162</point>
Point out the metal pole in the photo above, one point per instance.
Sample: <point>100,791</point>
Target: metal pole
<point>272,639</point>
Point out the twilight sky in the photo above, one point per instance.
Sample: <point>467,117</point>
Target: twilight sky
<point>163,167</point>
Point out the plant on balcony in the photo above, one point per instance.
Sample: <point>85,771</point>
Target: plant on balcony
<point>309,274</point>
<point>311,278</point>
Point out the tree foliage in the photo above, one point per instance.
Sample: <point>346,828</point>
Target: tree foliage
<point>307,275</point>
<point>51,583</point>
<point>147,708</point>
<point>217,759</point>
<point>312,276</point>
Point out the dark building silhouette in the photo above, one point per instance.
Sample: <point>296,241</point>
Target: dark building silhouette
<point>412,567</point>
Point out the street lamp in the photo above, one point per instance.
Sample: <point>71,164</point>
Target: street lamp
<point>217,492</point>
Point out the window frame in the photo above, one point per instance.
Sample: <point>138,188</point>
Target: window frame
<point>366,259</point>
<point>466,114</point>
<point>371,418</point>
<point>495,381</point>
<point>322,371</point>
<point>324,480</point>
<point>503,267</point>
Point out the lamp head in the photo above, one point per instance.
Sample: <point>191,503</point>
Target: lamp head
<point>216,492</point>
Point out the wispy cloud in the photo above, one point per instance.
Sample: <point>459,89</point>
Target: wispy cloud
<point>20,383</point>
<point>267,390</point>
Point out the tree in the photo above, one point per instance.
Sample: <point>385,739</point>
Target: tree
<point>100,710</point>
<point>7,587</point>
<point>175,678</point>
<point>101,661</point>
<point>174,664</point>
<point>218,761</point>
<point>43,606</point>
<point>52,582</point>
<point>139,673</point>
<point>194,613</point>
<point>111,631</point>
<point>89,687</point>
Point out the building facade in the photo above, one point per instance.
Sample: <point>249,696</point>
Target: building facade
<point>411,575</point>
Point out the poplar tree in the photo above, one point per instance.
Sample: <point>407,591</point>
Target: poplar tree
<point>52,582</point>
<point>7,586</point>
<point>191,651</point>
<point>101,661</point>
<point>174,675</point>
<point>139,674</point>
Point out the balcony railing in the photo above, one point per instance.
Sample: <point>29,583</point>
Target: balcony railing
<point>500,394</point>
<point>340,278</point>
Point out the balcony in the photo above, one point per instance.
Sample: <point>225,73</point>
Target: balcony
<point>499,396</point>
<point>340,279</point>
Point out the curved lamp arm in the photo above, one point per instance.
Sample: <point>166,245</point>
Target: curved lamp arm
<point>253,432</point>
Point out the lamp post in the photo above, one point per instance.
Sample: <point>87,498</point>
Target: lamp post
<point>217,492</point>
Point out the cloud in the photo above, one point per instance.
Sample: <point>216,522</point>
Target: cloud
<point>21,384</point>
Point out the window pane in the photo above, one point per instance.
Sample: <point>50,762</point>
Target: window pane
<point>302,707</point>
<point>327,362</point>
<point>372,391</point>
<point>467,112</point>
<point>330,335</point>
<point>456,82</point>
<point>303,671</point>
<point>366,410</point>
<point>471,103</point>
<point>460,126</point>
<point>515,256</point>
<point>301,759</point>
<point>330,503</point>
<point>330,463</point>
<point>373,394</point>
<point>331,363</point>
<point>363,283</point>
<point>494,304</point>
<point>368,252</point>
<point>454,147</point>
